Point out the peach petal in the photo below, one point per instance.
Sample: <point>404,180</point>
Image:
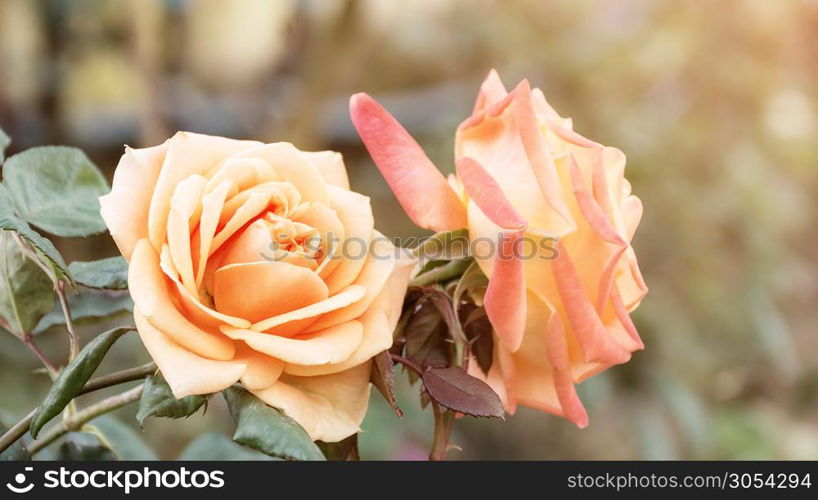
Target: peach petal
<point>200,314</point>
<point>125,208</point>
<point>378,322</point>
<point>212,204</point>
<point>187,154</point>
<point>538,153</point>
<point>330,407</point>
<point>491,91</point>
<point>283,196</point>
<point>419,186</point>
<point>186,200</point>
<point>186,372</point>
<point>331,345</point>
<point>262,370</point>
<point>149,289</point>
<point>374,275</point>
<point>591,210</point>
<point>255,205</point>
<point>292,167</point>
<point>259,290</point>
<point>596,343</point>
<point>355,212</point>
<point>243,173</point>
<point>350,295</point>
<point>331,166</point>
<point>493,138</point>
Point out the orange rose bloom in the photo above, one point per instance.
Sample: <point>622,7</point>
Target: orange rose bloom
<point>237,275</point>
<point>523,175</point>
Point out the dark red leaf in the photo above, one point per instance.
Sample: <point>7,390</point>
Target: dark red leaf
<point>382,377</point>
<point>455,389</point>
<point>424,332</point>
<point>478,330</point>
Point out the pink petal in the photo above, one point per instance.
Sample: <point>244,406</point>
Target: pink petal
<point>596,343</point>
<point>506,294</point>
<point>571,405</point>
<point>487,195</point>
<point>419,186</point>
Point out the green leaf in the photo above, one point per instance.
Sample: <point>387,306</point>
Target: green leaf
<point>446,245</point>
<point>473,283</point>
<point>6,203</point>
<point>56,188</point>
<point>441,273</point>
<point>455,389</point>
<point>216,447</point>
<point>84,447</point>
<point>382,377</point>
<point>26,292</point>
<point>158,401</point>
<point>73,377</point>
<point>4,143</point>
<point>268,430</point>
<point>104,274</point>
<point>16,452</point>
<point>87,307</point>
<point>121,439</point>
<point>45,250</point>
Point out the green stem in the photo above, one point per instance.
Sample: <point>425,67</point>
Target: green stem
<point>73,341</point>
<point>76,421</point>
<point>29,342</point>
<point>95,384</point>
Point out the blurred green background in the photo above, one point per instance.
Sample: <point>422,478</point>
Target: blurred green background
<point>713,102</point>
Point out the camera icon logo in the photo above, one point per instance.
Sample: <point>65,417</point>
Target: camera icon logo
<point>20,480</point>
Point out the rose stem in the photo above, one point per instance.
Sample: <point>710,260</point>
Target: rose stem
<point>80,418</point>
<point>95,384</point>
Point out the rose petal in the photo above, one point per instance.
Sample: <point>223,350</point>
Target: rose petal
<point>419,186</point>
<point>291,167</point>
<point>331,345</point>
<point>256,203</point>
<point>355,212</point>
<point>487,195</point>
<point>186,200</point>
<point>570,403</point>
<point>597,344</point>
<point>149,289</point>
<point>212,204</point>
<point>374,275</point>
<point>491,91</point>
<point>506,294</point>
<point>331,166</point>
<point>187,154</point>
<point>330,407</point>
<point>125,208</point>
<point>185,372</point>
<point>341,300</point>
<point>259,290</point>
<point>262,370</point>
<point>378,322</point>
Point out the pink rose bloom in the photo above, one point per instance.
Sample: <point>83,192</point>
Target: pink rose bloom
<point>523,175</point>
